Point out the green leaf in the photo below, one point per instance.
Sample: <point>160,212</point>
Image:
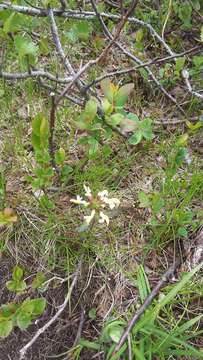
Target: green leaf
<point>90,110</point>
<point>17,273</point>
<point>144,199</point>
<point>38,306</point>
<point>196,5</point>
<point>115,119</point>
<point>178,287</point>
<point>92,313</point>
<point>185,14</point>
<point>25,47</point>
<point>8,310</point>
<point>36,123</point>
<point>83,30</point>
<point>94,145</point>
<point>135,138</point>
<point>197,60</point>
<point>11,24</point>
<point>107,107</point>
<point>146,128</point>
<point>143,283</point>
<point>44,127</point>
<point>23,320</point>
<point>123,94</point>
<point>130,123</point>
<point>179,65</point>
<point>27,307</point>
<point>201,34</point>
<point>157,203</point>
<point>36,142</point>
<point>16,286</point>
<point>60,156</point>
<point>89,344</point>
<point>109,89</point>
<point>182,231</point>
<point>115,333</point>
<point>6,327</point>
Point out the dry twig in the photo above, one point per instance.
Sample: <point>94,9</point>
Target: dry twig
<point>165,278</point>
<point>25,348</point>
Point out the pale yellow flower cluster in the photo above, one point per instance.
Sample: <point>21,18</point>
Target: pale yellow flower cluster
<point>96,204</point>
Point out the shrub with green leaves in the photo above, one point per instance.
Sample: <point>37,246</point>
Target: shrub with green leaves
<point>21,314</point>
<point>114,117</point>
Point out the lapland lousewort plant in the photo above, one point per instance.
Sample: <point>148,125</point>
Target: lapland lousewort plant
<point>96,204</point>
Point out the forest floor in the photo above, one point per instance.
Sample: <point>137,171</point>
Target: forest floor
<point>160,188</point>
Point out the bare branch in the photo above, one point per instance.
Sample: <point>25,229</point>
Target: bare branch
<point>34,74</point>
<point>71,98</point>
<point>25,348</point>
<point>185,75</point>
<point>61,53</point>
<point>155,61</point>
<point>137,60</point>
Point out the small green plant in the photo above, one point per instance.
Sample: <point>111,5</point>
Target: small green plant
<point>43,172</point>
<point>115,116</point>
<point>17,284</point>
<point>21,314</point>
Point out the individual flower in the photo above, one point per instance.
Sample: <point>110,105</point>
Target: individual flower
<point>79,201</point>
<point>103,218</point>
<point>103,194</point>
<point>88,192</point>
<point>112,202</point>
<point>89,218</point>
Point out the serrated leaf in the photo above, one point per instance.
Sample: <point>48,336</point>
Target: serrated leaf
<point>8,310</point>
<point>38,306</point>
<point>135,138</point>
<point>6,327</point>
<point>123,94</point>
<point>16,286</point>
<point>23,320</point>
